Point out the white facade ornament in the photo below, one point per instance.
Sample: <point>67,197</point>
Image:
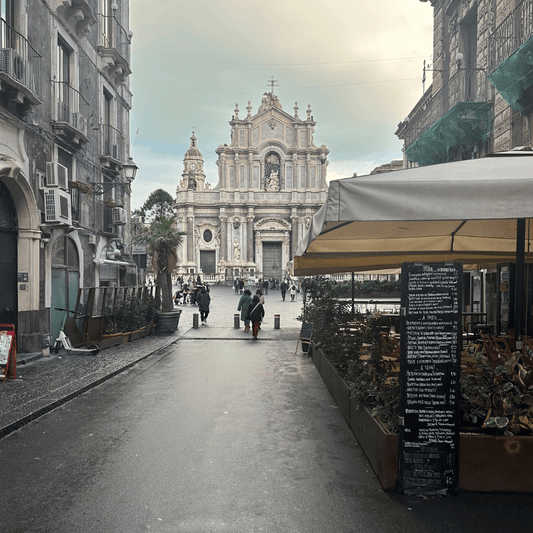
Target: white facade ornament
<point>273,181</point>
<point>236,249</point>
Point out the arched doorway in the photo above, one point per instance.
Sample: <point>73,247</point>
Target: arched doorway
<point>65,280</point>
<point>8,258</point>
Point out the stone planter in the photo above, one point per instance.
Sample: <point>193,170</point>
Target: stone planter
<point>126,337</point>
<point>168,322</point>
<point>487,463</point>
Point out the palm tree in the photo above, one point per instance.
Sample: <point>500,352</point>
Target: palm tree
<point>163,240</point>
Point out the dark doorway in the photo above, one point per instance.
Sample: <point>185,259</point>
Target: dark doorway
<point>208,261</point>
<point>8,258</point>
<point>272,260</point>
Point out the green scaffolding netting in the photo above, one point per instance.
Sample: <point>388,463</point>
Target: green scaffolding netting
<point>514,77</point>
<point>466,124</point>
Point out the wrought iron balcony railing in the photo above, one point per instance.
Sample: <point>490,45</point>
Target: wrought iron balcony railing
<point>19,60</point>
<point>463,86</point>
<point>513,31</point>
<point>113,36</point>
<point>71,106</point>
<point>112,143</point>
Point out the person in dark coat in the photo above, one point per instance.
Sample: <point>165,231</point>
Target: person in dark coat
<point>204,299</point>
<point>284,286</point>
<point>194,293</point>
<point>256,314</point>
<point>244,304</point>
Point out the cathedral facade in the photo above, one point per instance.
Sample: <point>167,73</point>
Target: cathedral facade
<point>271,181</point>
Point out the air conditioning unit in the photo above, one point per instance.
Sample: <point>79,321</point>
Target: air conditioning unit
<point>119,216</point>
<point>12,64</point>
<point>57,206</point>
<point>56,175</point>
<point>79,122</point>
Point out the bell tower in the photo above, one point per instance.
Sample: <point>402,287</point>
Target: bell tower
<point>193,176</point>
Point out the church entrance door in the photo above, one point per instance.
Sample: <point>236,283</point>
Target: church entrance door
<point>208,261</point>
<point>272,260</point>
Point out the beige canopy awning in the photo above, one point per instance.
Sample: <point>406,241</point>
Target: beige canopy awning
<point>465,211</point>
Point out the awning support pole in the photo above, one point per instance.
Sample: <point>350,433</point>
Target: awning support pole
<point>519,280</point>
<point>353,295</point>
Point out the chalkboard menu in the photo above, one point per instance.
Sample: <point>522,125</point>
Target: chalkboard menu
<point>431,338</point>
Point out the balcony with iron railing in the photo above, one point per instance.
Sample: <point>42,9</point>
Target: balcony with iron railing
<point>114,44</point>
<point>464,85</point>
<point>510,53</point>
<point>112,147</point>
<point>20,67</point>
<point>513,31</point>
<point>71,113</point>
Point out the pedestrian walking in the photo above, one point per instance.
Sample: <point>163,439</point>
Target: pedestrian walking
<point>204,300</point>
<point>236,285</point>
<point>293,292</point>
<point>256,313</point>
<point>244,304</point>
<point>266,285</point>
<point>284,286</point>
<point>241,286</point>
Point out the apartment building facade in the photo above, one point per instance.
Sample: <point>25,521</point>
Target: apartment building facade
<point>481,97</point>
<point>65,170</point>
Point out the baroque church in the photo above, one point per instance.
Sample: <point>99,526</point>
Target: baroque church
<point>271,181</point>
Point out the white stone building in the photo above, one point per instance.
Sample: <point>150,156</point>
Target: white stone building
<point>271,181</point>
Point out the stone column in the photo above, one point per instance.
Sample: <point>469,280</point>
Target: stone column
<point>258,253</point>
<point>250,168</point>
<point>190,238</point>
<point>223,237</point>
<point>295,235</point>
<point>285,252</point>
<point>250,238</point>
<point>224,177</point>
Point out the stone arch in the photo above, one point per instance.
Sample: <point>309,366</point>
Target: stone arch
<point>272,145</point>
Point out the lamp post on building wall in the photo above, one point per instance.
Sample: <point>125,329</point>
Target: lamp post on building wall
<point>130,169</point>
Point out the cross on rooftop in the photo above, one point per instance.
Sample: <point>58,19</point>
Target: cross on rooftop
<point>272,83</point>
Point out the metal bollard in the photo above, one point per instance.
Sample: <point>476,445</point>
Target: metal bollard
<point>236,321</point>
<point>195,320</point>
<point>276,321</point>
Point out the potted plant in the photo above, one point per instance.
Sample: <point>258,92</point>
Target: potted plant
<point>163,240</point>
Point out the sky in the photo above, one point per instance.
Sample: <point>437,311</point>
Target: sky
<point>358,63</point>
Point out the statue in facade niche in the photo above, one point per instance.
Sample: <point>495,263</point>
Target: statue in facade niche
<point>273,181</point>
<point>236,249</point>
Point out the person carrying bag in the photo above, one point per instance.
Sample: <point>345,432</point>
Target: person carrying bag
<point>256,313</point>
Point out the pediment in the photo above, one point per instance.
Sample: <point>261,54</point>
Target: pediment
<point>273,114</point>
<point>272,224</point>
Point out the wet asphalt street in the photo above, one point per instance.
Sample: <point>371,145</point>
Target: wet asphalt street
<point>217,433</point>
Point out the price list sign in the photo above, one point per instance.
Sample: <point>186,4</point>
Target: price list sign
<point>431,338</point>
